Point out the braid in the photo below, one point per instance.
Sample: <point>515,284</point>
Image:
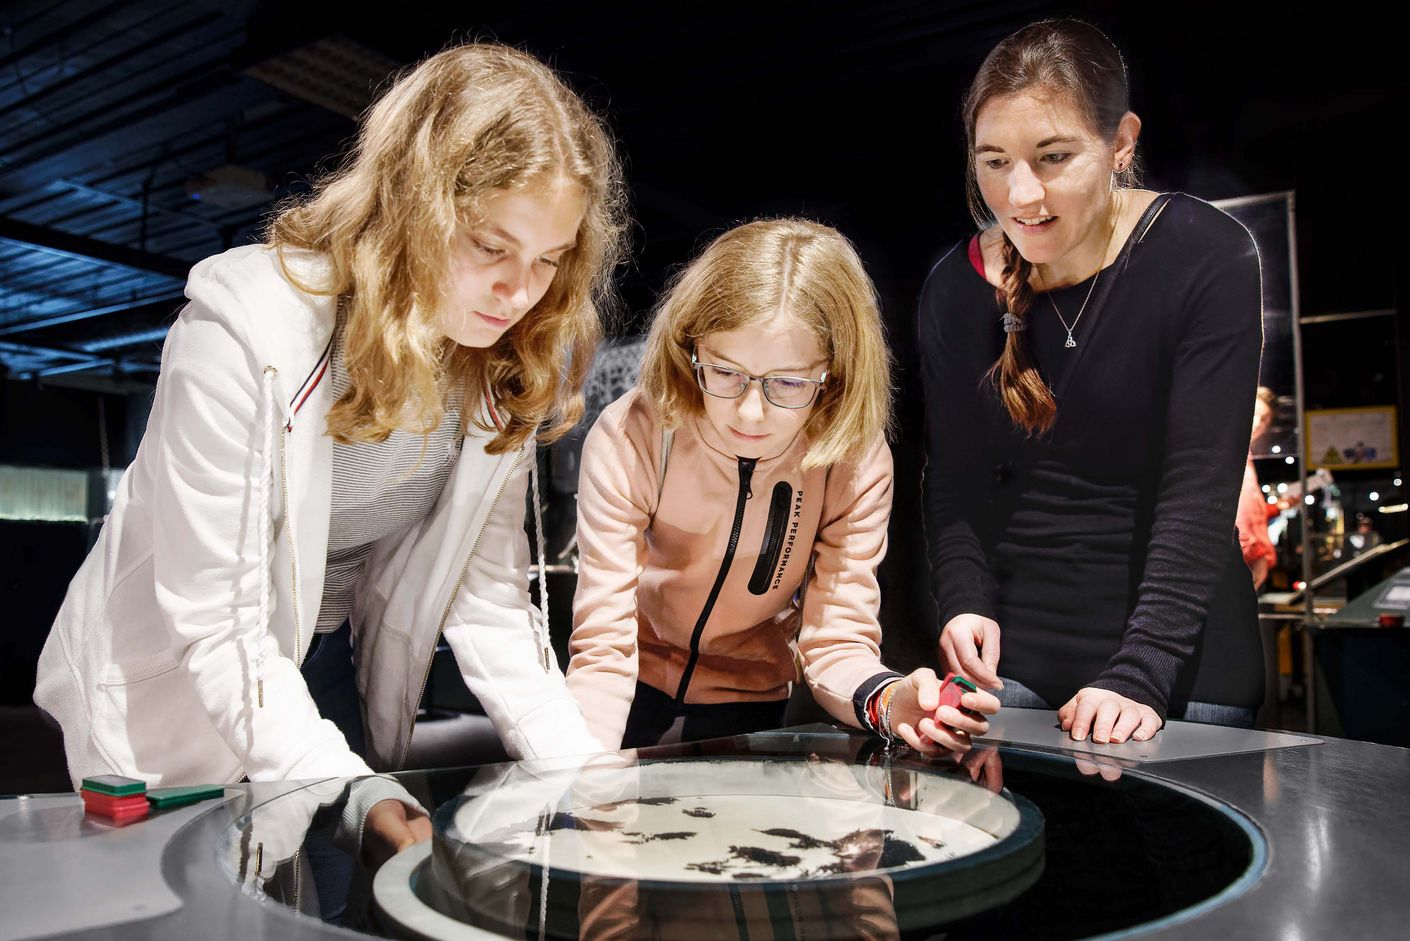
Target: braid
<point>1024,393</point>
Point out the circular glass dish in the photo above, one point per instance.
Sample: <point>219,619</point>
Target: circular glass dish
<point>701,848</point>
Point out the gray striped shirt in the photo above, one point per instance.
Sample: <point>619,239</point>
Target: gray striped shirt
<point>378,489</point>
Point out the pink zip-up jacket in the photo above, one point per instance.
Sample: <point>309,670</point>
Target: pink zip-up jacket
<point>691,583</point>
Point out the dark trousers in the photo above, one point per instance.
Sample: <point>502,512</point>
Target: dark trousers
<point>653,713</point>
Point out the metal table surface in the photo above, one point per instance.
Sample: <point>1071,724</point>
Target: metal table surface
<point>1333,814</point>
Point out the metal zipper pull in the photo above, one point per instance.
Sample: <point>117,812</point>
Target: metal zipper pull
<point>746,476</point>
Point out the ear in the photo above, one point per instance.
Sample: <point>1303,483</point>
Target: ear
<point>1127,133</point>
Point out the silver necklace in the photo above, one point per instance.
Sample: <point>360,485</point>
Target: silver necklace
<point>1071,342</point>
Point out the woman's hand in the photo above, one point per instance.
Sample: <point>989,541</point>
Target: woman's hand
<point>969,645</point>
<point>1110,717</point>
<point>389,829</point>
<point>930,728</point>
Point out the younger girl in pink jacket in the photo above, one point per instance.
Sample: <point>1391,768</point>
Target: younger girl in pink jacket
<point>733,508</point>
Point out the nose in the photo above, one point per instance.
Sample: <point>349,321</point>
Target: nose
<point>1025,189</point>
<point>751,405</point>
<point>512,287</point>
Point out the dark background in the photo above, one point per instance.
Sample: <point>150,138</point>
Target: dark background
<point>111,115</point>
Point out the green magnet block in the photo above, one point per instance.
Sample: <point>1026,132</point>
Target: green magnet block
<point>966,684</point>
<point>180,796</point>
<point>114,784</point>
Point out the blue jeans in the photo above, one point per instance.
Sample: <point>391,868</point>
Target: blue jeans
<point>1016,694</point>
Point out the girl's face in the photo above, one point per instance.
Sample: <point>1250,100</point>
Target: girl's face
<point>503,264</point>
<point>1046,174</point>
<point>1262,418</point>
<point>751,426</point>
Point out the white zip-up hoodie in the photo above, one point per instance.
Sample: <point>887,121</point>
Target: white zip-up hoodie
<point>175,657</point>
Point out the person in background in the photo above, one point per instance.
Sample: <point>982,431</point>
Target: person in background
<point>1254,510</point>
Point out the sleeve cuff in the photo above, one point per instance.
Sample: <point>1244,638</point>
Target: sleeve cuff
<point>864,693</point>
<point>363,794</point>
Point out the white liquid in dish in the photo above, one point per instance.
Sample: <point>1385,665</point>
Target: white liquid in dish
<point>727,821</point>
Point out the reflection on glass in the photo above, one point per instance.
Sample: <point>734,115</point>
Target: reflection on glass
<point>807,834</point>
<point>701,848</point>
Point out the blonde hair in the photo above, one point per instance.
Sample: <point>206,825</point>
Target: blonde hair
<point>467,122</point>
<point>750,274</point>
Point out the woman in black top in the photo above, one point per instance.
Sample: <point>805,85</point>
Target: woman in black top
<point>1089,365</point>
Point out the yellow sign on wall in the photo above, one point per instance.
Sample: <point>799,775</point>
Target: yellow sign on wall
<point>1352,438</point>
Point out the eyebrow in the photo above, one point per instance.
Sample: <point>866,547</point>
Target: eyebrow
<point>496,231</point>
<point>789,370</point>
<point>1045,142</point>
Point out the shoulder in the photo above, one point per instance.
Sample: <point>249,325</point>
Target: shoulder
<point>1203,230</point>
<point>953,270</point>
<point>632,414</point>
<point>952,288</point>
<point>249,289</point>
<point>873,468</point>
<point>628,425</point>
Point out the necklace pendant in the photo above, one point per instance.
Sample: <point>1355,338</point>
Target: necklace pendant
<point>1070,342</point>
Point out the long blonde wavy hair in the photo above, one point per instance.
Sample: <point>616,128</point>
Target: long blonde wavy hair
<point>467,122</point>
<point>748,275</point>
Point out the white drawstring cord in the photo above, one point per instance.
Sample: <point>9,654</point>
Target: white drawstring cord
<point>545,646</point>
<point>266,484</point>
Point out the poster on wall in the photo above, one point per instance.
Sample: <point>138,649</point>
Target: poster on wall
<point>1352,438</point>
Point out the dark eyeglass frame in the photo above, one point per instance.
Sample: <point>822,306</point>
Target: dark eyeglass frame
<point>763,381</point>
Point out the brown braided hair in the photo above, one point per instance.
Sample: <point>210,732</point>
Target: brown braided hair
<point>1076,60</point>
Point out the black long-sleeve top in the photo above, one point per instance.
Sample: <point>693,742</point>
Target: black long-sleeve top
<point>1105,548</point>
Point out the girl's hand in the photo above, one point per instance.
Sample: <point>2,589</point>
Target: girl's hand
<point>1110,717</point>
<point>390,828</point>
<point>931,729</point>
<point>969,645</point>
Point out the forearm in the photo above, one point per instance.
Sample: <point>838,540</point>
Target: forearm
<point>1208,412</point>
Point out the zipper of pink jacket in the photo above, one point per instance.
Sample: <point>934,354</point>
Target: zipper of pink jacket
<point>746,474</point>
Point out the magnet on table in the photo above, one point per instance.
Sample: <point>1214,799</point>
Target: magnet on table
<point>180,796</point>
<point>116,808</point>
<point>954,686</point>
<point>115,785</point>
<point>122,819</point>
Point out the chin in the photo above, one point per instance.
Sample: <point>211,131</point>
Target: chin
<point>478,339</point>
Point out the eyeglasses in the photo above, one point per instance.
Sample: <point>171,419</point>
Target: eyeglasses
<point>783,391</point>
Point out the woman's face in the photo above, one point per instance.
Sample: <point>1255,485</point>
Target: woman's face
<point>1046,174</point>
<point>502,264</point>
<point>751,426</point>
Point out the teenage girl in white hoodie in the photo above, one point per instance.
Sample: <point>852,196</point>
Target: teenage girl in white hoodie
<point>335,468</point>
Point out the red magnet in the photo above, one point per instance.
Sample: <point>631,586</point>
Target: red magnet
<point>106,805</point>
<point>952,688</point>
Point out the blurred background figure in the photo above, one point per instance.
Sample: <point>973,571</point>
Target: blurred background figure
<point>1252,518</point>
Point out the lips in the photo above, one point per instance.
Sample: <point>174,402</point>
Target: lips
<point>1034,223</point>
<point>498,322</point>
<point>743,437</point>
